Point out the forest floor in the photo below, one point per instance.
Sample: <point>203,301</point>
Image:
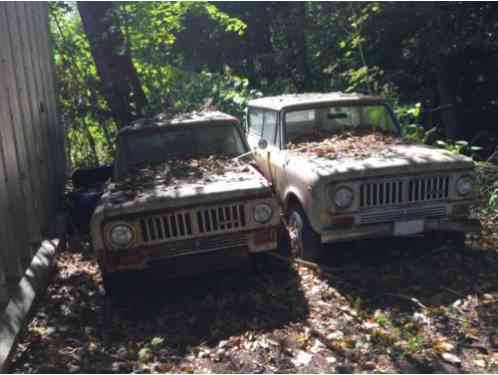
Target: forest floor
<point>384,306</point>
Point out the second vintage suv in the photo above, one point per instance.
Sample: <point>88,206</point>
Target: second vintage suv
<point>180,199</point>
<point>342,171</point>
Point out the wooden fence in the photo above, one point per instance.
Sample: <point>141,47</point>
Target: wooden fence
<point>32,157</point>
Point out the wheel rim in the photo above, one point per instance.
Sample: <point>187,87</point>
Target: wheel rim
<point>296,225</point>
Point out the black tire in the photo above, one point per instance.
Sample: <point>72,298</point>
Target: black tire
<point>283,240</point>
<point>304,242</point>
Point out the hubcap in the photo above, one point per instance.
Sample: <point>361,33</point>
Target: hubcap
<point>296,225</point>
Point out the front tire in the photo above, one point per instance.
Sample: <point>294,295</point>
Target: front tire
<point>305,243</point>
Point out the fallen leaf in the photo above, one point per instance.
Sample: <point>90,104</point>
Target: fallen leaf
<point>157,341</point>
<point>479,362</point>
<point>301,359</point>
<point>451,358</point>
<point>144,355</point>
<point>494,340</point>
<point>442,346</point>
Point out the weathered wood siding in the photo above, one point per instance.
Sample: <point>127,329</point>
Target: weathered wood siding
<point>32,158</point>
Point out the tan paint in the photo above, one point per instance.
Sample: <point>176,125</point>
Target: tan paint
<point>310,178</point>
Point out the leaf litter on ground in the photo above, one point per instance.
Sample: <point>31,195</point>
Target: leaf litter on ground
<point>278,318</point>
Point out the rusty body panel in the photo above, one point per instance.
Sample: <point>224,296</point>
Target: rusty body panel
<point>183,218</point>
<point>402,183</point>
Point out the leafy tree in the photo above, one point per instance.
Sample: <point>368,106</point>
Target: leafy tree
<point>120,84</point>
<point>192,55</point>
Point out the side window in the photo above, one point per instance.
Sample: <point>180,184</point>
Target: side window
<point>256,122</point>
<point>269,131</point>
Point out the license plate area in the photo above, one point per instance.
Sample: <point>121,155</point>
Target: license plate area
<point>404,228</point>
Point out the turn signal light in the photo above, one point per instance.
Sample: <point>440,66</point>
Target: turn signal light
<point>130,259</point>
<point>343,221</point>
<point>460,210</point>
<point>264,236</point>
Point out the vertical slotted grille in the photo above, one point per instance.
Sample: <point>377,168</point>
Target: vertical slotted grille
<point>428,188</point>
<point>221,218</point>
<point>379,194</point>
<point>180,225</point>
<point>175,225</point>
<point>404,190</point>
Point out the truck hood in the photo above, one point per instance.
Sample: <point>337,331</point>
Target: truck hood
<point>241,185</point>
<point>394,160</point>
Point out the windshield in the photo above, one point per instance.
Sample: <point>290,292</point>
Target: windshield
<point>336,119</point>
<point>154,147</point>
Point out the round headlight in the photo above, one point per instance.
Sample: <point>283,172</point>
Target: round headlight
<point>464,185</point>
<point>343,197</point>
<point>121,235</point>
<point>263,213</point>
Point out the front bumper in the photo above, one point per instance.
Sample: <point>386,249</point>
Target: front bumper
<point>387,229</point>
<point>256,241</point>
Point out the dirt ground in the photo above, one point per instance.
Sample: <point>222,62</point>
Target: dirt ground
<point>381,306</point>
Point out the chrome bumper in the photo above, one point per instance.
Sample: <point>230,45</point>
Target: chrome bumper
<point>387,229</point>
<point>255,241</point>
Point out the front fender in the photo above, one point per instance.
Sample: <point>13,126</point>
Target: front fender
<point>96,231</point>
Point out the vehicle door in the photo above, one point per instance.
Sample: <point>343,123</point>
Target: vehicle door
<point>261,137</point>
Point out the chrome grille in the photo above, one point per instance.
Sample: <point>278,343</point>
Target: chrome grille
<point>201,245</point>
<point>163,227</point>
<point>424,189</point>
<point>403,190</point>
<point>221,218</point>
<point>397,214</point>
<point>185,224</point>
<point>381,193</point>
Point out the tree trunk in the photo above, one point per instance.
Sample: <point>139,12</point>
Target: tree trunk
<point>293,18</point>
<point>119,82</point>
<point>91,144</point>
<point>447,96</point>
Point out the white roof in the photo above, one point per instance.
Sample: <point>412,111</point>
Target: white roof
<point>280,102</point>
<point>192,118</point>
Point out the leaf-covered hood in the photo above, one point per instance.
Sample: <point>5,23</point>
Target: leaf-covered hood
<point>239,184</point>
<point>393,160</point>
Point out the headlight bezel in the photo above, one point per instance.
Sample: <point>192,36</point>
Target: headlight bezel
<point>264,206</point>
<point>343,188</point>
<point>461,179</point>
<point>109,234</point>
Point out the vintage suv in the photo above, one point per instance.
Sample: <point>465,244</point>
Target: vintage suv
<point>342,171</point>
<point>180,200</point>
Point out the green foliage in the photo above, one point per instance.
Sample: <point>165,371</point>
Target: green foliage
<point>458,147</point>
<point>381,319</point>
<point>493,196</point>
<point>191,55</point>
<point>83,110</point>
<point>150,30</point>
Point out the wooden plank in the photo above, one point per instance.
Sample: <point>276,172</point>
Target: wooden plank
<point>40,109</point>
<point>34,114</point>
<point>21,116</point>
<point>44,102</point>
<point>60,129</point>
<point>42,21</point>
<point>10,171</point>
<point>4,290</point>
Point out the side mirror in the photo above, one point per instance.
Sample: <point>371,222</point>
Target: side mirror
<point>262,144</point>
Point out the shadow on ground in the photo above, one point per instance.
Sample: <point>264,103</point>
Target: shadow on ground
<point>394,273</point>
<point>77,329</point>
<point>210,307</point>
